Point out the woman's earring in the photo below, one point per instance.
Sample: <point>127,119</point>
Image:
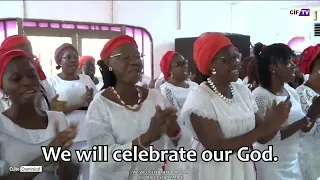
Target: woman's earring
<point>171,75</point>
<point>214,71</point>
<point>319,71</point>
<point>273,72</point>
<point>110,68</point>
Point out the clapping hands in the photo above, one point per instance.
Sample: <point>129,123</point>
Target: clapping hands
<point>164,121</point>
<point>87,97</point>
<point>276,116</point>
<point>64,138</point>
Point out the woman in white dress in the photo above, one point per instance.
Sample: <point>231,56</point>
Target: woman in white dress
<point>75,92</point>
<point>221,113</point>
<point>24,130</point>
<point>47,95</point>
<point>177,87</point>
<point>125,116</point>
<point>310,143</point>
<point>275,69</point>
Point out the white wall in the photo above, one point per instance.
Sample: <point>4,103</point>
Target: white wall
<point>263,21</point>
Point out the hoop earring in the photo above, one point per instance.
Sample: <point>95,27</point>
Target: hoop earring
<point>171,75</point>
<point>319,71</point>
<point>110,68</point>
<point>213,71</point>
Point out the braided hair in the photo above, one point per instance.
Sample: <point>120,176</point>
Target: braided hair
<point>268,55</point>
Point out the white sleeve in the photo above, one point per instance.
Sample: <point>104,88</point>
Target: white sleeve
<point>263,102</point>
<point>197,103</point>
<point>306,97</point>
<point>100,133</point>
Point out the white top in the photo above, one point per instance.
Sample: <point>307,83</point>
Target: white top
<point>177,95</point>
<point>309,143</point>
<point>112,124</point>
<point>71,91</point>
<point>4,104</point>
<point>235,119</point>
<point>287,167</point>
<point>20,146</point>
<point>49,92</point>
<point>305,77</point>
<point>240,81</point>
<point>159,82</point>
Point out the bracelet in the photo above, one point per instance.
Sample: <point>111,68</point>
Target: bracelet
<point>309,123</point>
<point>140,144</point>
<point>177,136</point>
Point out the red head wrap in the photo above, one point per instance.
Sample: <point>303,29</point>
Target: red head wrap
<point>61,50</point>
<point>166,62</point>
<point>7,56</point>
<point>206,47</point>
<point>114,43</point>
<point>295,61</point>
<point>309,55</point>
<point>13,41</point>
<point>84,59</point>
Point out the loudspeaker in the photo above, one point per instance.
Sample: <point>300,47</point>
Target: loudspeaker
<point>184,46</point>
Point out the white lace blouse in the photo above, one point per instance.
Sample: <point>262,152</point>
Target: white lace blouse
<point>287,166</point>
<point>309,149</point>
<point>19,146</point>
<point>177,95</point>
<point>112,124</point>
<point>235,119</point>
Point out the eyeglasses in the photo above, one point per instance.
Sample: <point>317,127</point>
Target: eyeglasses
<point>128,57</point>
<point>181,63</point>
<point>70,57</point>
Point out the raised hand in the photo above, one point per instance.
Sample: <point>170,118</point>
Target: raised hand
<point>156,126</point>
<point>152,83</point>
<point>276,116</point>
<point>87,96</point>
<point>64,138</point>
<point>171,127</point>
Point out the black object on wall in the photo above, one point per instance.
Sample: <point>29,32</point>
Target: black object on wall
<point>184,46</point>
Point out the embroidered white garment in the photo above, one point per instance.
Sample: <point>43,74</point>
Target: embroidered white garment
<point>235,119</point>
<point>177,95</point>
<point>310,142</point>
<point>20,146</point>
<point>112,124</point>
<point>71,91</point>
<point>287,167</point>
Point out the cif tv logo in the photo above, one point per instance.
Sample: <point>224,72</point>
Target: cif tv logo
<point>300,12</point>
